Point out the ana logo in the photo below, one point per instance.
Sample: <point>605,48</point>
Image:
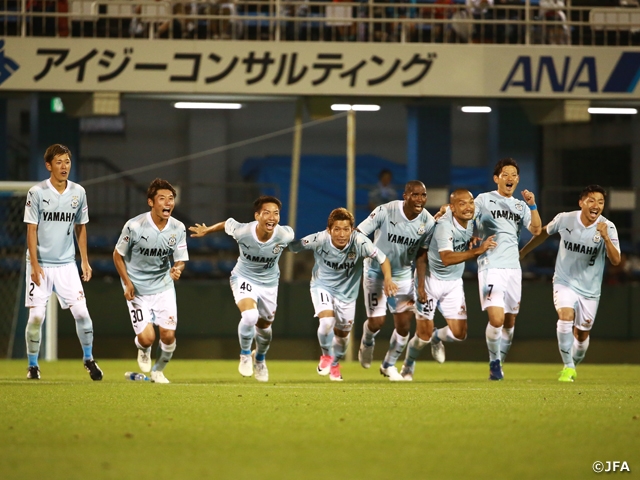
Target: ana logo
<point>171,321</point>
<point>518,207</point>
<point>74,202</point>
<point>7,66</point>
<point>421,229</point>
<point>597,238</point>
<point>172,240</point>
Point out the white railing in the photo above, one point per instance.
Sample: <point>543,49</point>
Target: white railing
<point>429,21</point>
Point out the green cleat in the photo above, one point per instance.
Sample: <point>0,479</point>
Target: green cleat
<point>567,375</point>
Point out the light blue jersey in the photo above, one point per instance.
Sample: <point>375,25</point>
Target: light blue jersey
<point>338,271</point>
<point>503,217</point>
<point>56,214</point>
<point>147,250</point>
<point>448,235</point>
<point>398,237</point>
<point>581,255</point>
<point>258,261</point>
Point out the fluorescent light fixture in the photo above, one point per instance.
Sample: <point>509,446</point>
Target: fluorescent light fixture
<point>344,107</point>
<point>612,111</point>
<point>208,105</point>
<point>476,109</point>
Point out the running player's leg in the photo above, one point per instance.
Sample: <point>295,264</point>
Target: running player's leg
<point>247,302</point>
<point>402,308</point>
<point>267,305</point>
<point>165,312</point>
<point>452,305</point>
<point>344,315</point>
<point>323,306</point>
<point>375,302</point>
<point>36,298</point>
<point>512,297</point>
<point>141,320</point>
<point>491,285</point>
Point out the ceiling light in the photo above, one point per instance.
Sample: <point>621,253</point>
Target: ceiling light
<point>614,111</point>
<point>476,109</point>
<point>208,105</point>
<point>344,107</point>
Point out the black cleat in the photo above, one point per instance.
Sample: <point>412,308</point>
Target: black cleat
<point>33,373</point>
<point>94,370</point>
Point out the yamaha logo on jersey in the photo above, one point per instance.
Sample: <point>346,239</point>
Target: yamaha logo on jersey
<point>74,202</point>
<point>421,229</point>
<point>351,255</point>
<point>518,207</point>
<point>597,238</point>
<point>172,240</point>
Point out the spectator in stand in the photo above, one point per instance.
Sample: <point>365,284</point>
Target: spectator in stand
<point>554,30</point>
<point>384,191</point>
<point>481,10</point>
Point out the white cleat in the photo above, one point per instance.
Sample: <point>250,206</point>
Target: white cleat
<point>158,377</point>
<point>391,373</point>
<point>246,366</point>
<point>365,355</point>
<point>144,361</point>
<point>407,372</point>
<point>437,351</point>
<point>262,372</point>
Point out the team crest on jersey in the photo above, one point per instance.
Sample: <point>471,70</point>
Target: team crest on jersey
<point>278,248</point>
<point>518,206</point>
<point>351,255</point>
<point>597,237</point>
<point>421,229</point>
<point>75,202</point>
<point>172,240</point>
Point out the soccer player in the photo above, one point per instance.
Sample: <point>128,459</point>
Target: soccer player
<point>586,237</point>
<point>55,208</point>
<point>441,284</point>
<point>401,228</point>
<point>499,274</point>
<point>338,252</point>
<point>254,279</point>
<point>143,259</point>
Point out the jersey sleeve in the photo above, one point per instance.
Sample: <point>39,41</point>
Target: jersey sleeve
<point>373,221</point>
<point>306,243</point>
<point>181,254</point>
<point>369,250</point>
<point>554,225</point>
<point>231,226</point>
<point>125,241</point>
<point>287,234</point>
<point>82,216</point>
<point>613,235</point>
<point>444,236</point>
<point>526,218</point>
<point>32,207</point>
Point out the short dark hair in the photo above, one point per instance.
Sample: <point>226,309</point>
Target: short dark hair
<point>592,189</point>
<point>159,184</point>
<point>54,150</point>
<point>383,172</point>
<point>261,200</point>
<point>340,214</point>
<point>413,183</point>
<point>505,162</point>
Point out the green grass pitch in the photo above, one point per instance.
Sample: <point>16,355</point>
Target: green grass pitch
<point>210,423</point>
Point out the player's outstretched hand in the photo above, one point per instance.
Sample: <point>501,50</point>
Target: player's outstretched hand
<point>87,272</point>
<point>441,212</point>
<point>390,288</point>
<point>175,273</point>
<point>129,291</point>
<point>603,230</point>
<point>199,230</point>
<point>36,273</point>
<point>529,197</point>
<point>488,244</point>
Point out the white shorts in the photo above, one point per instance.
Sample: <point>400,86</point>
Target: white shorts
<point>266,298</point>
<point>64,280</point>
<point>500,287</point>
<point>159,309</point>
<point>585,308</point>
<point>376,301</point>
<point>343,312</point>
<point>447,295</point>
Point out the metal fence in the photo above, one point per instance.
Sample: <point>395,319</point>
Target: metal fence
<point>429,21</point>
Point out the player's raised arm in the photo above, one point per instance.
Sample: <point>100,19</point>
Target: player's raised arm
<point>81,236</point>
<point>534,242</point>
<point>612,251</point>
<point>535,227</point>
<point>201,229</point>
<point>449,257</point>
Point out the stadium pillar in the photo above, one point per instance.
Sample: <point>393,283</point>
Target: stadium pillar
<point>3,140</point>
<point>293,185</point>
<point>429,144</point>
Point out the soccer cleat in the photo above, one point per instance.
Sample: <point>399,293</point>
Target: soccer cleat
<point>437,351</point>
<point>495,370</point>
<point>158,377</point>
<point>407,372</point>
<point>246,365</point>
<point>391,373</point>
<point>365,354</point>
<point>144,361</point>
<point>335,375</point>
<point>324,366</point>
<point>94,370</point>
<point>567,374</point>
<point>33,373</point>
<point>262,372</point>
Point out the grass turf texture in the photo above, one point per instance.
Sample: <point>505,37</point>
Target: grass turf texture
<point>450,422</point>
